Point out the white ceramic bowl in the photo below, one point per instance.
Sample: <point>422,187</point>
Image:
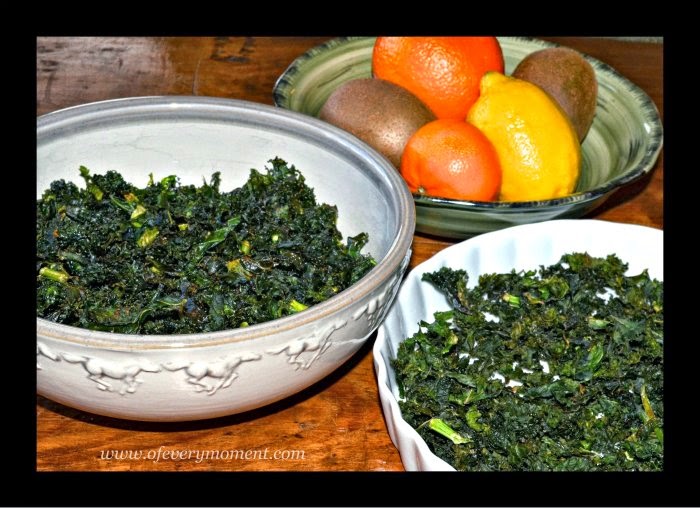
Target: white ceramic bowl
<point>186,377</point>
<point>519,248</point>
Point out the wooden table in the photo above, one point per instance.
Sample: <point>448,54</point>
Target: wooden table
<point>336,424</point>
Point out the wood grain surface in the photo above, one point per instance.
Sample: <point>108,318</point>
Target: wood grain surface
<point>337,424</point>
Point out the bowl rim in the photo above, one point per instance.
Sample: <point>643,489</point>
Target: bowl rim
<point>650,113</point>
<point>295,124</point>
<point>284,81</point>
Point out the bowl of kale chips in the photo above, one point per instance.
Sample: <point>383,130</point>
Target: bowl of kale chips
<point>198,257</point>
<point>533,348</point>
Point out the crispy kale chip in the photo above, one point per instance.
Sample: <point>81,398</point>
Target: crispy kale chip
<point>172,258</point>
<point>559,369</point>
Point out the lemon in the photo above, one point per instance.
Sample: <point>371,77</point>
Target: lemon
<point>536,143</point>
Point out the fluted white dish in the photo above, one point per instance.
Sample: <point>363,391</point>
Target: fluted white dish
<point>520,248</point>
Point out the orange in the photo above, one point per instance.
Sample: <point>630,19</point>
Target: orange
<point>443,72</point>
<point>451,159</point>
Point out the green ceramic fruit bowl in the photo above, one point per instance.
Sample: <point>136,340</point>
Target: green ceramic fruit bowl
<point>621,146</point>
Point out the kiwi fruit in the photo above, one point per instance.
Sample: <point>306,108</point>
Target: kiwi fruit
<point>380,113</point>
<point>565,75</point>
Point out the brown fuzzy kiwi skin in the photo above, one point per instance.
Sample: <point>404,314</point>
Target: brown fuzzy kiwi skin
<point>566,76</point>
<point>380,113</point>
